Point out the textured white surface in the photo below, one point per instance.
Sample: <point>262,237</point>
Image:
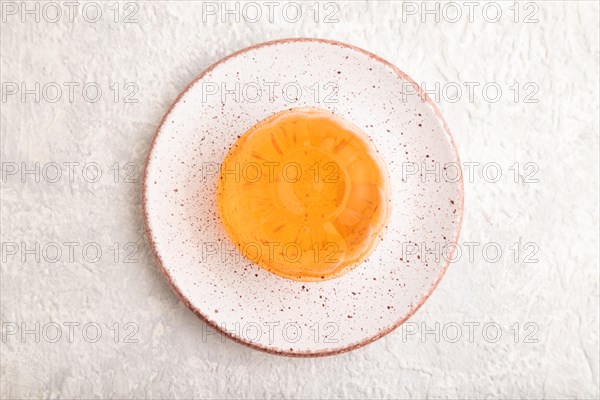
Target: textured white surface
<point>173,357</point>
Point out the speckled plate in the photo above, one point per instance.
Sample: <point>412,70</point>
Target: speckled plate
<point>246,302</point>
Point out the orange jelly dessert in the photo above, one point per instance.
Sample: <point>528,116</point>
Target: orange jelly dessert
<point>304,194</point>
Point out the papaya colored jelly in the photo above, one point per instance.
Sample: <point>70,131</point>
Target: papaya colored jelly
<point>304,195</point>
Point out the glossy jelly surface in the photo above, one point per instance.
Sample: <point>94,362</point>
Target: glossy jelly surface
<point>304,194</point>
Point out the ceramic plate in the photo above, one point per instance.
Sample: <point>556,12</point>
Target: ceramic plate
<point>248,303</point>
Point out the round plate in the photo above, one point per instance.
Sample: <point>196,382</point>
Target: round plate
<point>246,302</point>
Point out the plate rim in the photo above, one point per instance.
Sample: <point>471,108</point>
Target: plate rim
<point>266,349</point>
